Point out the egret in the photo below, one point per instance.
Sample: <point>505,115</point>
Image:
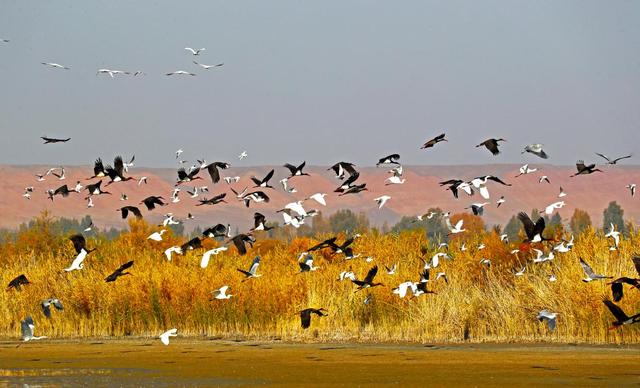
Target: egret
<point>164,337</point>
<point>204,262</point>
<point>221,293</point>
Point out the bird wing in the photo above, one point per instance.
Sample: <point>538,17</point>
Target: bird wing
<point>459,224</point>
<point>118,165</point>
<point>371,274</point>
<point>622,157</point>
<point>290,167</point>
<point>213,173</point>
<point>615,310</point>
<point>125,266</point>
<point>528,225</point>
<point>254,265</point>
<point>603,156</point>
<point>79,243</point>
<point>46,309</point>
<point>587,268</point>
<point>636,263</point>
<point>617,291</point>
<point>239,243</point>
<point>268,176</point>
<point>305,318</point>
<point>496,179</point>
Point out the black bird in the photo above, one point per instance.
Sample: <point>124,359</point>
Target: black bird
<point>621,317</point>
<point>213,169</point>
<point>95,189</point>
<point>184,177</point>
<point>368,280</point>
<point>48,140</point>
<point>265,181</point>
<point>618,284</point>
<point>433,141</point>
<point>215,200</point>
<point>613,161</point>
<point>130,209</point>
<point>46,306</point>
<point>533,231</point>
<point>153,200</point>
<point>116,173</point>
<point>354,189</point>
<point>218,230</point>
<point>259,222</point>
<point>98,169</point>
<point>390,159</point>
<point>18,282</point>
<point>296,171</point>
<point>491,145</point>
<point>585,169</point>
<point>341,167</point>
<point>325,244</point>
<point>62,191</point>
<point>119,272</point>
<point>305,316</point>
<point>348,183</point>
<point>240,240</point>
<point>79,243</point>
<point>194,243</point>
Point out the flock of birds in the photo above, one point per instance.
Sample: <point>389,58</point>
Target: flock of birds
<point>295,214</point>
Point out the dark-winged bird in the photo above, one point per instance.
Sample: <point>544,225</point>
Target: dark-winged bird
<point>125,210</point>
<point>621,317</point>
<point>305,316</point>
<point>215,200</point>
<point>46,306</point>
<point>79,243</point>
<point>119,272</point>
<point>618,284</point>
<point>390,159</point>
<point>433,141</point>
<point>368,280</point>
<point>264,182</point>
<point>296,170</point>
<point>613,161</point>
<point>533,231</point>
<point>491,145</point>
<point>585,169</point>
<point>218,230</point>
<point>213,170</point>
<point>48,140</point>
<point>341,167</point>
<point>240,240</point>
<point>151,202</point>
<point>18,282</point>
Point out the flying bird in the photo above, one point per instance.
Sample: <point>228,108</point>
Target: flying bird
<point>18,282</point>
<point>367,282</point>
<point>119,272</point>
<point>556,205</point>
<point>382,200</point>
<point>207,67</point>
<point>195,51</point>
<point>55,65</point>
<point>180,72</point>
<point>221,293</point>
<point>613,161</point>
<point>591,276</point>
<point>532,230</point>
<point>536,149</point>
<point>49,140</point>
<point>545,315</point>
<point>27,328</point>
<point>296,170</point>
<point>204,262</point>
<point>341,168</point>
<point>585,169</point>
<point>46,306</point>
<point>264,182</point>
<point>164,337</point>
<point>240,242</point>
<point>390,159</point>
<point>434,141</point>
<point>491,145</point>
<point>125,210</point>
<point>305,316</point>
<point>621,317</point>
<point>632,189</point>
<point>251,273</point>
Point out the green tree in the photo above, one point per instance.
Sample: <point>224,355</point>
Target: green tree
<point>580,221</point>
<point>512,228</point>
<point>613,214</point>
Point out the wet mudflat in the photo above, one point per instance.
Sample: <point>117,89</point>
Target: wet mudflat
<point>188,362</point>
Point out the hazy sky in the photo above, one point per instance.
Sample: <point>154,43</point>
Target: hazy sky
<point>320,81</point>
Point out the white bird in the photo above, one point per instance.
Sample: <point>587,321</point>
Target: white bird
<point>207,255</point>
<point>486,262</point>
<point>561,248</point>
<point>89,228</point>
<point>306,265</point>
<point>428,216</point>
<point>319,197</point>
<point>477,208</point>
<point>293,221</point>
<point>124,197</point>
<point>556,205</point>
<point>521,272</point>
<point>195,51</point>
<point>157,236</point>
<point>111,72</point>
<point>632,188</point>
<point>27,327</point>
<point>296,207</point>
<point>168,220</point>
<point>443,276</point>
<point>207,67</point>
<point>231,179</point>
<point>382,200</point>
<point>285,186</point>
<point>402,289</point>
<point>454,230</point>
<point>78,188</point>
<point>392,270</point>
<point>346,275</point>
<point>526,170</point>
<point>179,152</point>
<point>169,251</point>
<point>549,317</point>
<point>552,278</point>
<point>543,178</point>
<point>180,72</point>
<point>500,201</point>
<point>90,202</point>
<point>242,155</point>
<point>614,234</point>
<point>541,258</point>
<point>394,180</point>
<point>504,238</point>
<point>221,293</point>
<point>164,337</point>
<point>481,246</point>
<point>55,65</point>
<point>143,179</point>
<point>77,263</point>
<point>562,193</point>
<point>536,149</point>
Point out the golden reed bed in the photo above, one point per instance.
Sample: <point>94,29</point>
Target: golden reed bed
<point>479,304</point>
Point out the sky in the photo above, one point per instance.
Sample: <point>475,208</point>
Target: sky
<point>320,81</point>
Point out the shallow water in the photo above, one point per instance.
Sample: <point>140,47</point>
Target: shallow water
<point>187,362</point>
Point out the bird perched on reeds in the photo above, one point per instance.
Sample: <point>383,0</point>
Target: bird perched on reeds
<point>305,316</point>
